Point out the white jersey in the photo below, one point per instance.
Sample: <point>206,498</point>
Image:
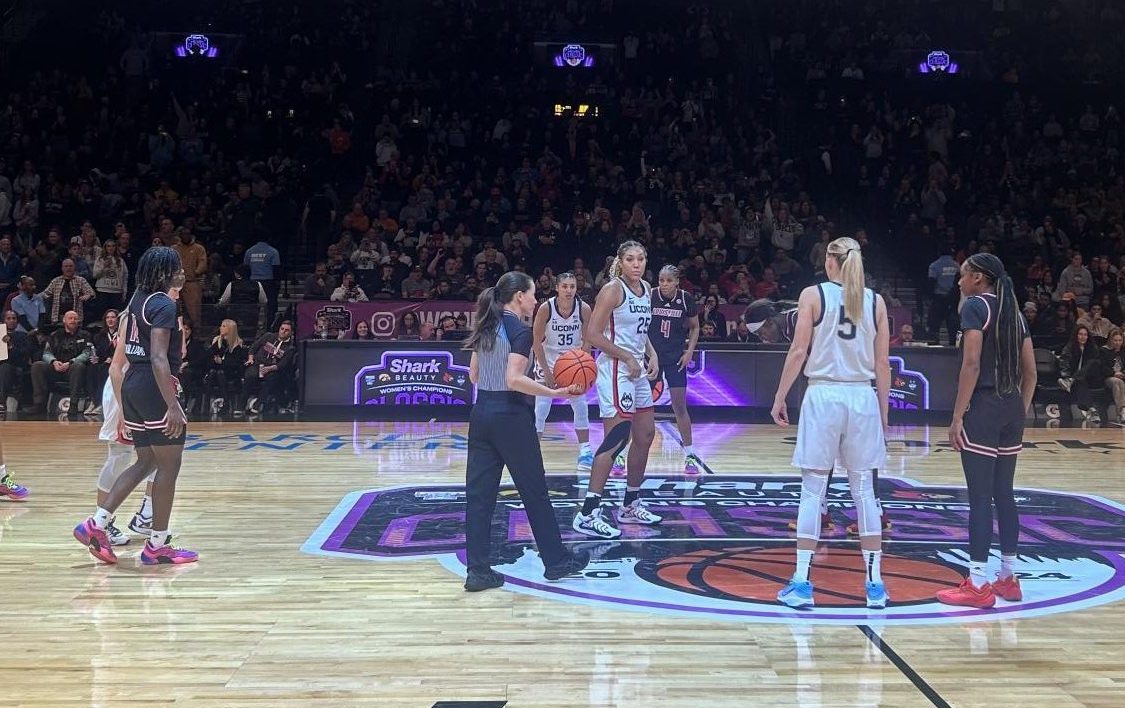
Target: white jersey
<point>629,321</point>
<point>562,333</point>
<point>111,418</point>
<point>842,350</point>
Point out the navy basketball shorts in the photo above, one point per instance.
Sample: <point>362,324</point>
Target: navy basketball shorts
<point>993,424</point>
<point>670,369</point>
<point>144,410</point>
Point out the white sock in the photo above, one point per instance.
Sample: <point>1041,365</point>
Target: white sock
<point>3,470</point>
<point>804,560</point>
<point>584,448</point>
<point>1006,563</point>
<point>976,574</point>
<point>872,560</point>
<point>689,450</point>
<point>158,539</point>
<point>102,518</point>
<point>146,507</point>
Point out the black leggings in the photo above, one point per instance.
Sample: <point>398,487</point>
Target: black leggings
<point>990,481</point>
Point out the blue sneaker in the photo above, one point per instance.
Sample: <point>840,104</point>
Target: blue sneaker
<point>585,461</point>
<point>877,597</point>
<point>798,593</point>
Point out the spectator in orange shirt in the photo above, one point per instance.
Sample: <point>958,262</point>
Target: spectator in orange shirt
<point>356,220</point>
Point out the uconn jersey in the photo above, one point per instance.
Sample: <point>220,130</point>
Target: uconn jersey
<point>840,421</point>
<point>619,394</point>
<point>564,332</point>
<point>842,350</point>
<point>629,322</point>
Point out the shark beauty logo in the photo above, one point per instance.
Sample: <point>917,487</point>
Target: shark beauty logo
<point>725,549</point>
<point>414,378</point>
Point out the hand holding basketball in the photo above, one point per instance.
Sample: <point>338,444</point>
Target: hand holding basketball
<point>575,371</point>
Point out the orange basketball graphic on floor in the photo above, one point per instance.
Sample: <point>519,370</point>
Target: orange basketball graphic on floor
<point>757,574</point>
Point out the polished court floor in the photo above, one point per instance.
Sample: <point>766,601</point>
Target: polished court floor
<point>295,601</point>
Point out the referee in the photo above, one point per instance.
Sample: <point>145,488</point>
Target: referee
<point>502,432</point>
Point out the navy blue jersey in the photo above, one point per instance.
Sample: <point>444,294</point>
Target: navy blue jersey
<point>671,320</point>
<point>979,312</point>
<point>146,313</point>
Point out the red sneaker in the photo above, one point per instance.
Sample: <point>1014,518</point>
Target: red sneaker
<point>1008,588</point>
<point>968,595</point>
<point>853,528</point>
<point>826,525</point>
<point>95,540</point>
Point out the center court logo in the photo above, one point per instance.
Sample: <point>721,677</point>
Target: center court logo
<point>724,549</point>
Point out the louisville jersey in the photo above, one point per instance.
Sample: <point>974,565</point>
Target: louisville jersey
<point>671,320</point>
<point>842,350</point>
<point>564,331</point>
<point>629,322</point>
<point>146,313</point>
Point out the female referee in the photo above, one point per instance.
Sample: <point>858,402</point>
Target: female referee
<point>994,392</point>
<point>502,433</point>
<point>151,408</point>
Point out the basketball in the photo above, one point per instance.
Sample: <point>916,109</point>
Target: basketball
<point>575,367</point>
<point>756,575</point>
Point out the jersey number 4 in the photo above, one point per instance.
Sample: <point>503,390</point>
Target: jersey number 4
<point>846,328</point>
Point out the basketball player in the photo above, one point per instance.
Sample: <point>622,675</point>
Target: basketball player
<point>842,331</point>
<point>502,433</point>
<point>994,391</point>
<point>151,409</point>
<point>772,327</point>
<point>619,331</point>
<point>8,487</point>
<point>674,334</point>
<point>558,328</point>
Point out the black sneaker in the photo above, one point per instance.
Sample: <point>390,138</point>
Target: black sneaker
<point>571,564</point>
<point>478,580</point>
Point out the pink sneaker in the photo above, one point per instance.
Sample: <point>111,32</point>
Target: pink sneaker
<point>167,555</point>
<point>95,540</point>
<point>9,488</point>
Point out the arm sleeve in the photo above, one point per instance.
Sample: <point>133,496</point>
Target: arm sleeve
<point>974,315</point>
<point>521,342</point>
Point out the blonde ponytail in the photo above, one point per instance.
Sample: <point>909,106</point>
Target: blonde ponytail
<point>847,254</point>
<point>615,267</point>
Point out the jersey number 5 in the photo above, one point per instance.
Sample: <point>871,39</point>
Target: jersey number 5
<point>846,328</point>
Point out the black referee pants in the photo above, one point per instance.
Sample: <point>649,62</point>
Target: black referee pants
<point>502,433</point>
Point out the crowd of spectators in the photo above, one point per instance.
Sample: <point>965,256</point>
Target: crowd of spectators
<point>733,141</point>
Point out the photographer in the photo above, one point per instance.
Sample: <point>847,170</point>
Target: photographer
<point>349,291</point>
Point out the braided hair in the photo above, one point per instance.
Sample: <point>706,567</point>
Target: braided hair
<point>157,271</point>
<point>1009,325</point>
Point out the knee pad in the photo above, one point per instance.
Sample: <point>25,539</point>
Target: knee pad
<point>814,491</point>
<point>542,410</point>
<point>118,458</point>
<point>581,413</point>
<point>862,483</point>
<point>615,441</point>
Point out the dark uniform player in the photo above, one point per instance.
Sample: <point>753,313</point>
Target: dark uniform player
<point>773,326</point>
<point>151,408</point>
<point>674,332</point>
<point>994,391</point>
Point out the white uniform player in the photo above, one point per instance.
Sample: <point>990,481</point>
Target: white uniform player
<point>618,394</point>
<point>840,419</point>
<point>563,333</point>
<point>842,342</point>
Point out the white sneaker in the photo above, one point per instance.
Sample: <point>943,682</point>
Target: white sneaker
<point>90,408</point>
<point>637,513</point>
<point>116,536</point>
<point>594,525</point>
<point>141,525</point>
<point>1065,384</point>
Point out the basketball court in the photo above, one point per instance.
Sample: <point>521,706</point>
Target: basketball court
<point>330,575</point>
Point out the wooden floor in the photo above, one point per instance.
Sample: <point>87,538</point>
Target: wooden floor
<point>260,622</point>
